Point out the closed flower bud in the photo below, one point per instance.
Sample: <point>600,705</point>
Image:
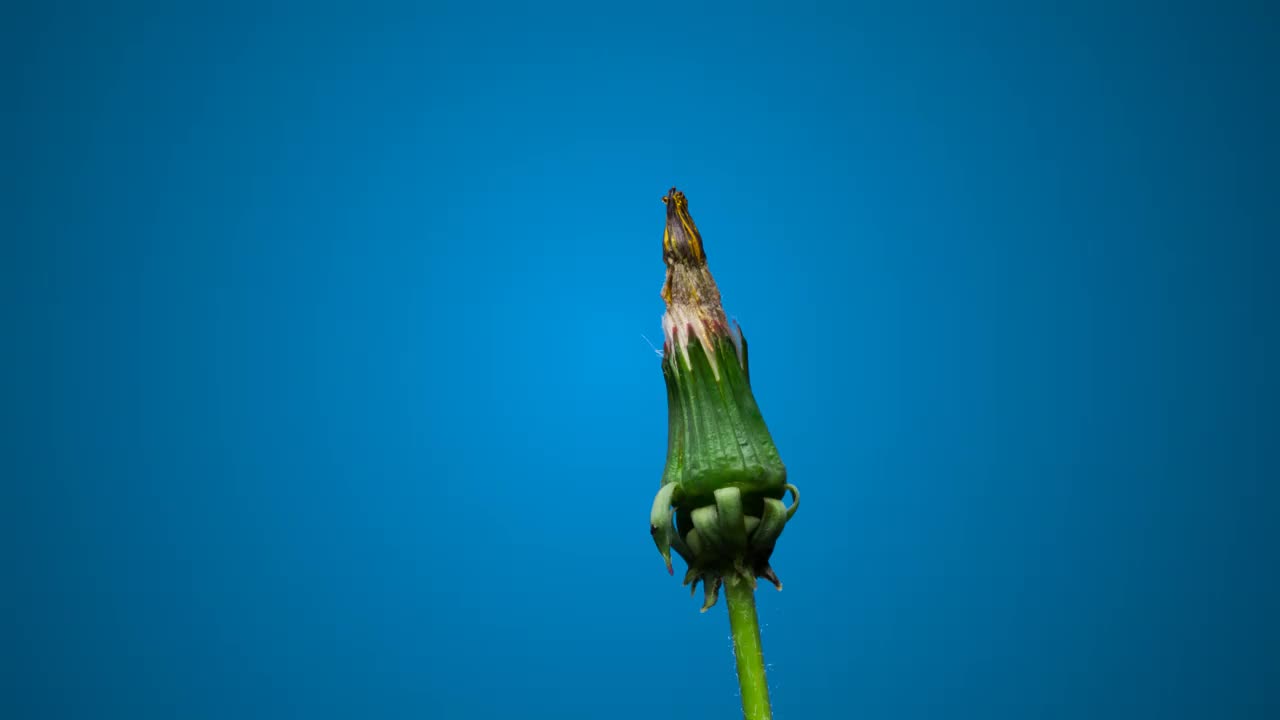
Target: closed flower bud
<point>720,504</point>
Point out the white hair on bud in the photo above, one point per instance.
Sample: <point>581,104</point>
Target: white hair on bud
<point>676,324</point>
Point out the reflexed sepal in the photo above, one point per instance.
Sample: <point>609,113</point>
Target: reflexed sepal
<point>721,540</point>
<point>660,525</point>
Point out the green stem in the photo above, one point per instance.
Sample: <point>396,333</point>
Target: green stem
<point>746,648</point>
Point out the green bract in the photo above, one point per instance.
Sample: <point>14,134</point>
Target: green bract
<point>716,435</point>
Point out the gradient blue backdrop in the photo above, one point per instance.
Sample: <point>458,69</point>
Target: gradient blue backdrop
<point>325,392</point>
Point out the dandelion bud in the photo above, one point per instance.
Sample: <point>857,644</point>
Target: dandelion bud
<point>720,504</point>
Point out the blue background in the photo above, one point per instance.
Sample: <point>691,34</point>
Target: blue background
<point>325,392</point>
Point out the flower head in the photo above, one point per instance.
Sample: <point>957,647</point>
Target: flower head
<point>720,504</point>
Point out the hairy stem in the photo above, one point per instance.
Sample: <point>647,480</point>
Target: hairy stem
<point>745,628</point>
